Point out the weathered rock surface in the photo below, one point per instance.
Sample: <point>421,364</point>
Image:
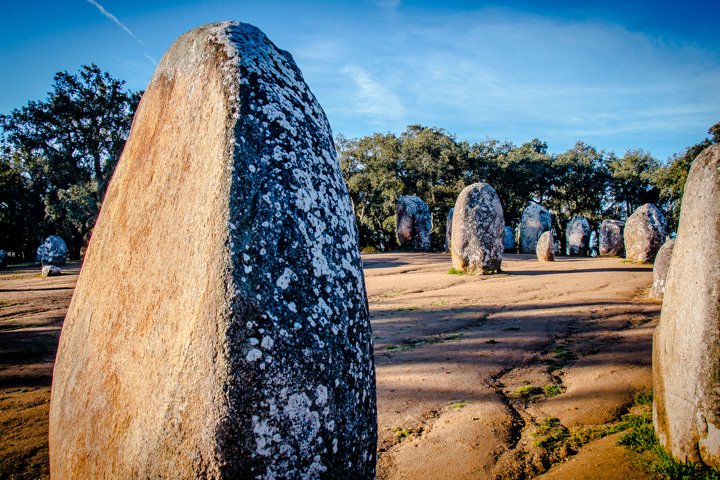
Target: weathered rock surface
<point>660,269</point>
<point>50,271</point>
<point>535,220</point>
<point>509,239</point>
<point>645,232</point>
<point>53,251</point>
<point>412,217</point>
<point>448,229</point>
<point>594,243</point>
<point>3,259</point>
<point>219,327</point>
<point>686,344</point>
<point>577,237</point>
<point>478,230</point>
<point>612,241</point>
<point>546,247</point>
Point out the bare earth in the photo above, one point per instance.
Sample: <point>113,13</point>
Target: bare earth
<point>451,353</point>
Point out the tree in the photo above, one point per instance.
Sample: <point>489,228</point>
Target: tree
<point>670,178</point>
<point>630,183</point>
<point>74,140</point>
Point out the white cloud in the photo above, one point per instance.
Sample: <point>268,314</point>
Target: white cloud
<point>121,25</point>
<point>373,98</point>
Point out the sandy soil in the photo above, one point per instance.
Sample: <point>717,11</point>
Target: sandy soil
<point>451,352</point>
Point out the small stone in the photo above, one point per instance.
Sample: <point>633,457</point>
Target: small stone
<point>660,269</point>
<point>645,232</point>
<point>414,223</point>
<point>577,237</point>
<point>478,230</point>
<point>51,271</point>
<point>53,251</point>
<point>536,219</point>
<point>546,247</point>
<point>611,241</point>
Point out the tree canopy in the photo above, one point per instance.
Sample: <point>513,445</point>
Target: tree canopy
<point>58,156</point>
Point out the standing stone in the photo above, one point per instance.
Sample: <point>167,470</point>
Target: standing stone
<point>686,343</point>
<point>660,269</point>
<point>219,327</point>
<point>612,238</point>
<point>546,247</point>
<point>594,243</point>
<point>412,217</point>
<point>577,236</point>
<point>478,230</point>
<point>3,259</point>
<point>53,251</point>
<point>509,239</point>
<point>448,229</point>
<point>535,220</point>
<point>645,232</point>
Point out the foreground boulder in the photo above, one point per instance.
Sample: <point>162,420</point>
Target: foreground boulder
<point>612,241</point>
<point>535,220</point>
<point>412,217</point>
<point>219,327</point>
<point>509,239</point>
<point>53,251</point>
<point>50,271</point>
<point>645,232</point>
<point>546,247</point>
<point>448,229</point>
<point>577,237</point>
<point>478,230</point>
<point>660,269</point>
<point>686,344</point>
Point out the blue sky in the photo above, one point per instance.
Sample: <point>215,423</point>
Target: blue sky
<point>617,75</point>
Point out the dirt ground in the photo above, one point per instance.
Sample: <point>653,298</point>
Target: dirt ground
<point>467,366</point>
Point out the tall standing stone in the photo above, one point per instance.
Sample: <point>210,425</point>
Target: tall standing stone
<point>219,328</point>
<point>612,241</point>
<point>509,239</point>
<point>686,343</point>
<point>412,217</point>
<point>577,236</point>
<point>594,243</point>
<point>535,220</point>
<point>448,229</point>
<point>645,232</point>
<point>660,269</point>
<point>545,249</point>
<point>478,230</point>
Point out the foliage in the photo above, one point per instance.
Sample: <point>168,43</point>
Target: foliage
<point>67,147</point>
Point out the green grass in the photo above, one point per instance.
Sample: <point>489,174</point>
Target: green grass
<point>455,271</point>
<point>409,309</point>
<point>410,344</point>
<point>458,404</point>
<point>401,432</point>
<point>552,390</point>
<point>527,391</point>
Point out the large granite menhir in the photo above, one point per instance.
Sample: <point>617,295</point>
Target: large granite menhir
<point>577,237</point>
<point>478,230</point>
<point>686,343</point>
<point>660,269</point>
<point>645,232</point>
<point>448,229</point>
<point>414,223</point>
<point>546,247</point>
<point>219,328</point>
<point>535,220</point>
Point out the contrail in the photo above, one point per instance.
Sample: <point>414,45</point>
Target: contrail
<point>118,22</point>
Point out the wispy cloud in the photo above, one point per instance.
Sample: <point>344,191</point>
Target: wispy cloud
<point>121,25</point>
<point>374,99</point>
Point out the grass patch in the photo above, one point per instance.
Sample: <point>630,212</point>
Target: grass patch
<point>401,432</point>
<point>458,404</point>
<point>552,390</point>
<point>527,391</point>
<point>455,271</point>
<point>409,309</point>
<point>410,344</point>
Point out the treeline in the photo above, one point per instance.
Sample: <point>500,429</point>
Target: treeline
<point>432,164</point>
<point>58,155</point>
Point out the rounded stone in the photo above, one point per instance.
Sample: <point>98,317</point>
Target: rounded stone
<point>536,219</point>
<point>660,269</point>
<point>53,251</point>
<point>414,223</point>
<point>51,271</point>
<point>546,247</point>
<point>645,232</point>
<point>448,229</point>
<point>686,343</point>
<point>577,237</point>
<point>478,230</point>
<point>611,241</point>
<point>220,328</point>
